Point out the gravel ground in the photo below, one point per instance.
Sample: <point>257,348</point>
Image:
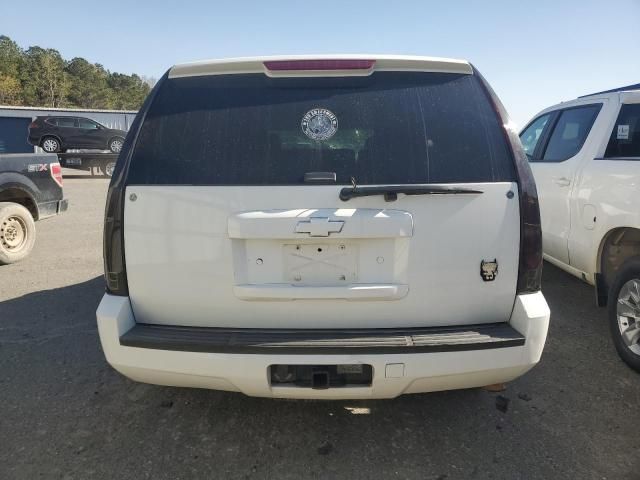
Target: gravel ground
<point>64,413</point>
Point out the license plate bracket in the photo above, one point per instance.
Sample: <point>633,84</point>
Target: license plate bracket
<point>320,263</point>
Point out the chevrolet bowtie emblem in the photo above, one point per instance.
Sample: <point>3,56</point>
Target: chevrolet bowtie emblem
<point>319,227</point>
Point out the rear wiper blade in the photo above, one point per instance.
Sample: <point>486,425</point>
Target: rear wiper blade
<point>391,192</point>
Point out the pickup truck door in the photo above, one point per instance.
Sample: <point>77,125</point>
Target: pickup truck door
<point>555,160</point>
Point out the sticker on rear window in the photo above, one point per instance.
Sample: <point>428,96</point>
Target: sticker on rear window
<point>319,124</point>
<point>623,132</point>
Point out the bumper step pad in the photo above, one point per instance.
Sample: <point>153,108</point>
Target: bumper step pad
<point>322,341</point>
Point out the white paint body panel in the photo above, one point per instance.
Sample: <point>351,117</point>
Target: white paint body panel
<point>607,190</point>
<point>423,372</point>
<point>231,257</point>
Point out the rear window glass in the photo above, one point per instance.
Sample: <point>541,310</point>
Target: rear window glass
<point>390,127</point>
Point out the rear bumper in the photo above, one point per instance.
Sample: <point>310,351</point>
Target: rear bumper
<point>63,205</point>
<point>394,373</point>
<point>49,209</point>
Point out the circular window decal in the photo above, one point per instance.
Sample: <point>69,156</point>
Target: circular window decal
<point>319,124</point>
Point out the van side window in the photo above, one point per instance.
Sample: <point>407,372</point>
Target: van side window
<point>532,134</point>
<point>625,137</point>
<point>570,132</point>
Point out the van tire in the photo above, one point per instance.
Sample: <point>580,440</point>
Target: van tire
<point>626,277</point>
<point>17,232</point>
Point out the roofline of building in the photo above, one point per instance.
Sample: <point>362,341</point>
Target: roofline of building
<point>48,109</point>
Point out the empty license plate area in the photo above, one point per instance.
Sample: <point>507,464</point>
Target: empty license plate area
<point>321,376</point>
<point>321,263</point>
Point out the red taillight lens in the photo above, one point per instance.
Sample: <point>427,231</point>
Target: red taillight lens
<point>33,125</point>
<point>337,64</point>
<point>56,172</point>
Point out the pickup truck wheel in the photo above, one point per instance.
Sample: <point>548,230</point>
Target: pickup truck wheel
<point>50,145</point>
<point>624,312</point>
<point>17,232</point>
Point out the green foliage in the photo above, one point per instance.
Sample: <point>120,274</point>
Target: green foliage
<point>10,90</point>
<point>41,77</point>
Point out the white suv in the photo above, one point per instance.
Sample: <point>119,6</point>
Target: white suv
<point>585,155</point>
<point>326,227</point>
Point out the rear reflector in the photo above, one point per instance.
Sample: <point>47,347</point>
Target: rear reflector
<point>310,65</point>
<point>56,172</point>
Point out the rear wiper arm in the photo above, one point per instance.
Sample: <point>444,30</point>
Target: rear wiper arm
<point>391,192</point>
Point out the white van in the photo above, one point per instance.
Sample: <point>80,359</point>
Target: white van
<point>326,227</point>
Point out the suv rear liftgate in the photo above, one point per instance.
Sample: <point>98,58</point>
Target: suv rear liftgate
<point>333,216</point>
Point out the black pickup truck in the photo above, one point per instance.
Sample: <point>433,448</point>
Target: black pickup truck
<point>30,190</point>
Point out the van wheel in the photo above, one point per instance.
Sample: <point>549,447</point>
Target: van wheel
<point>50,145</point>
<point>17,232</point>
<point>624,312</point>
<point>115,144</point>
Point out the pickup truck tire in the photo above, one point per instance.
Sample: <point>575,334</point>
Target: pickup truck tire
<point>624,312</point>
<point>17,232</point>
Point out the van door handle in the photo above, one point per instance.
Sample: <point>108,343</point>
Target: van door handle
<point>562,181</point>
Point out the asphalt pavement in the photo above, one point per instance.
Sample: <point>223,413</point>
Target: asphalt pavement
<point>65,414</point>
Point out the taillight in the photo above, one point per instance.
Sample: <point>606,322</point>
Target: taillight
<point>56,172</point>
<point>530,265</point>
<point>315,65</point>
<point>114,266</point>
<point>33,125</point>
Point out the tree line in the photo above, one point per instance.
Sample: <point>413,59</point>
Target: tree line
<point>40,77</point>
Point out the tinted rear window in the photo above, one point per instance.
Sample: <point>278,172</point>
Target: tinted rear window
<point>390,127</point>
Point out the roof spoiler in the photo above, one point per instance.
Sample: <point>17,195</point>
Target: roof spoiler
<point>320,65</point>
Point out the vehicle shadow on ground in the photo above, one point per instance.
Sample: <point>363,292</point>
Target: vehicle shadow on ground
<point>64,406</point>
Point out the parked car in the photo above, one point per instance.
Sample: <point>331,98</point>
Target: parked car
<point>350,227</point>
<point>58,134</point>
<point>30,190</point>
<point>585,156</point>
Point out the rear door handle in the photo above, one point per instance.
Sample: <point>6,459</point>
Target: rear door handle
<point>562,181</point>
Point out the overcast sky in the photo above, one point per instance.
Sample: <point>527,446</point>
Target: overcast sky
<point>534,53</point>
